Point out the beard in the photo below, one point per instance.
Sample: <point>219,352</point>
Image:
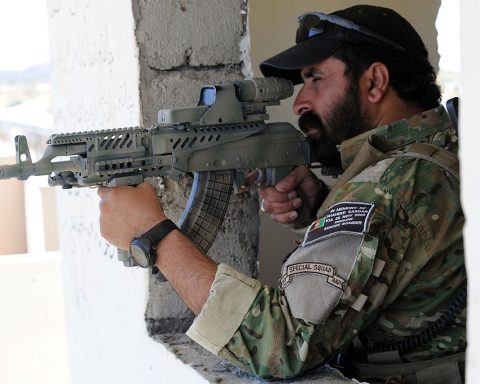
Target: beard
<point>343,121</point>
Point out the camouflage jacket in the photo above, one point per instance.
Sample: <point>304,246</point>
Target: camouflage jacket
<point>383,261</point>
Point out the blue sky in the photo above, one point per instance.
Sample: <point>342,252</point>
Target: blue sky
<point>23,33</point>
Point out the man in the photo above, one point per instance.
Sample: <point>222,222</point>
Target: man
<point>380,274</point>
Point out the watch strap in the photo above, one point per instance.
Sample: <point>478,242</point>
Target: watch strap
<point>159,231</point>
<point>156,234</point>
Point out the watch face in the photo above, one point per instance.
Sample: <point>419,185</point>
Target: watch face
<point>140,255</point>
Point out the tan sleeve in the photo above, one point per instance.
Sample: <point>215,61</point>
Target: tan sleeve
<point>231,296</point>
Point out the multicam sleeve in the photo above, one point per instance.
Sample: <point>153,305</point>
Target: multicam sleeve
<point>264,337</point>
<point>272,343</point>
<point>231,296</point>
<point>242,321</point>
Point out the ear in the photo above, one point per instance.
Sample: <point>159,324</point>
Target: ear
<point>376,82</point>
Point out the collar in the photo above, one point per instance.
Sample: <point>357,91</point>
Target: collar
<point>419,128</point>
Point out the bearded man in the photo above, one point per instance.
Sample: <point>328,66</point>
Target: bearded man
<point>379,278</point>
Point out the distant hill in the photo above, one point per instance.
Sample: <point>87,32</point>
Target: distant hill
<point>37,73</point>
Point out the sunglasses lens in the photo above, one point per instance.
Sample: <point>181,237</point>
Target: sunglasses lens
<point>310,25</point>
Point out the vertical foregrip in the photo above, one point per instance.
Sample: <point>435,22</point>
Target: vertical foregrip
<point>206,207</point>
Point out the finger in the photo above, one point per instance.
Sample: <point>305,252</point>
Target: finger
<point>285,218</point>
<point>281,208</point>
<point>102,191</point>
<point>292,180</point>
<point>251,178</point>
<point>271,194</point>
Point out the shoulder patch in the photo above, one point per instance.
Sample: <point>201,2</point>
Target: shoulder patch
<point>316,277</point>
<point>342,217</point>
<point>318,268</point>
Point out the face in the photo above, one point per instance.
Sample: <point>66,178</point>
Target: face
<point>329,105</point>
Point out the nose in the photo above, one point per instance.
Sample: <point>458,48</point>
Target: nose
<point>301,103</point>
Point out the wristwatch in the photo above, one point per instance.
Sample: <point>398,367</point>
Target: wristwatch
<point>142,249</point>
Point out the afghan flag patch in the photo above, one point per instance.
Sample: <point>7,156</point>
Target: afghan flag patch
<point>342,217</point>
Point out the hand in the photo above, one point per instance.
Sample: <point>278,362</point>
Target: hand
<point>128,212</point>
<point>282,201</point>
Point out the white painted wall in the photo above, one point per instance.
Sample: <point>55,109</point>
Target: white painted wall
<point>469,147</point>
<point>95,79</point>
<point>33,339</point>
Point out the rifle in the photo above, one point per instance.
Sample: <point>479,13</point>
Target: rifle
<point>219,140</point>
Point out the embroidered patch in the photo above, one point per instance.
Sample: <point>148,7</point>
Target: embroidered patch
<point>314,278</point>
<point>318,268</point>
<point>343,217</point>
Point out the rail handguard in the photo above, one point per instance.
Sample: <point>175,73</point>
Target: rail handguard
<point>219,140</point>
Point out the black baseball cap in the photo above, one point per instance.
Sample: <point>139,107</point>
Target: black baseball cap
<point>319,35</point>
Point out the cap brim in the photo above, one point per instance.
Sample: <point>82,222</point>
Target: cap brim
<point>288,63</point>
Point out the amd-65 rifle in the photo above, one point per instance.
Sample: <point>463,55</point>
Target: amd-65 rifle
<point>219,141</point>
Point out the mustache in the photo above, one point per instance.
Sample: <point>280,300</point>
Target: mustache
<point>309,120</point>
<point>323,147</point>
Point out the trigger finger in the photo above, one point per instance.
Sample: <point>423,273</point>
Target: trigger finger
<point>251,178</point>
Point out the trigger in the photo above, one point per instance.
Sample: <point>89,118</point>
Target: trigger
<point>239,182</point>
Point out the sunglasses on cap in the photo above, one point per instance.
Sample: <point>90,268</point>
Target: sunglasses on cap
<point>313,24</point>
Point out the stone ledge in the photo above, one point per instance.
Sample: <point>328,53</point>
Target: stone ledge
<point>217,370</point>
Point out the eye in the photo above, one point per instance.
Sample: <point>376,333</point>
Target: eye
<point>317,76</point>
<point>317,81</point>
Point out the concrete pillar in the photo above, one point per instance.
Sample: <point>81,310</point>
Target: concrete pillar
<point>115,63</point>
<point>182,46</point>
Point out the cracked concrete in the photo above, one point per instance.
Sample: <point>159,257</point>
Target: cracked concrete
<point>212,29</point>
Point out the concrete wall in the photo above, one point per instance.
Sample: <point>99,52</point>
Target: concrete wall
<point>34,342</point>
